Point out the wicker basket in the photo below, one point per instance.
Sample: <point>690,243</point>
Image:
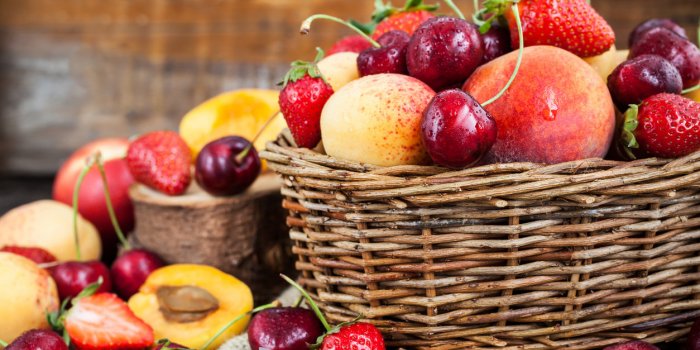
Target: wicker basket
<point>577,255</point>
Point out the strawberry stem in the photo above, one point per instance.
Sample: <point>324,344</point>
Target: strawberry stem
<point>76,192</point>
<point>690,89</point>
<point>310,301</point>
<point>518,61</point>
<point>306,27</point>
<point>108,201</point>
<point>241,156</point>
<point>454,8</point>
<point>238,318</point>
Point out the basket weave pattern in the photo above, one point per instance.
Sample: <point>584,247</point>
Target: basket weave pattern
<point>577,255</point>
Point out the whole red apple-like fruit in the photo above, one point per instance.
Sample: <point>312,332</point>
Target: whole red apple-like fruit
<point>557,109</point>
<point>92,205</point>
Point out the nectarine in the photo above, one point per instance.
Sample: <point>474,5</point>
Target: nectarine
<point>376,120</point>
<point>339,69</point>
<point>557,109</point>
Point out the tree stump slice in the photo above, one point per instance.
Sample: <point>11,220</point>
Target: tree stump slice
<point>243,235</point>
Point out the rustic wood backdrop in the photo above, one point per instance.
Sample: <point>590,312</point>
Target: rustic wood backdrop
<point>75,70</point>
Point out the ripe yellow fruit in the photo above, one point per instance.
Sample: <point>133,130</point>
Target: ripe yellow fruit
<point>212,297</point>
<point>48,224</point>
<point>240,112</point>
<point>29,293</point>
<point>606,62</point>
<point>339,69</point>
<point>694,95</point>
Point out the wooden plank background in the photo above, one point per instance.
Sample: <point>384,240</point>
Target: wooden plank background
<point>75,70</point>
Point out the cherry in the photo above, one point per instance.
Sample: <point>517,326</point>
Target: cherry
<point>632,345</point>
<point>72,277</point>
<point>41,339</point>
<point>227,166</point>
<point>495,42</point>
<point>444,51</point>
<point>389,58</point>
<point>683,54</point>
<point>130,270</point>
<point>640,77</point>
<point>161,344</point>
<point>693,342</point>
<point>284,328</point>
<point>456,130</point>
<point>653,23</point>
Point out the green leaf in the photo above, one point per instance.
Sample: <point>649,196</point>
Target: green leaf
<point>319,54</point>
<point>367,28</point>
<point>88,291</point>
<point>410,4</point>
<point>3,343</point>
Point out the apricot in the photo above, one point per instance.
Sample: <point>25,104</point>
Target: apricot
<point>606,62</point>
<point>48,224</point>
<point>557,109</point>
<point>376,120</point>
<point>28,294</point>
<point>189,303</point>
<point>339,69</point>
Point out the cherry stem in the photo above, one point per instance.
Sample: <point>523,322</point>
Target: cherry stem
<point>454,8</point>
<point>306,27</point>
<point>690,89</point>
<point>108,201</point>
<point>241,156</point>
<point>516,13</point>
<point>309,301</point>
<point>76,192</point>
<point>300,300</point>
<point>238,318</point>
<point>3,343</point>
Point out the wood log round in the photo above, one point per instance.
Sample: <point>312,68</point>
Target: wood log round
<point>243,235</point>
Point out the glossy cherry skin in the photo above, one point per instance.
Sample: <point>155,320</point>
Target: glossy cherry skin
<point>693,340</point>
<point>495,42</point>
<point>640,77</point>
<point>41,339</point>
<point>284,328</point>
<point>632,345</point>
<point>653,23</point>
<point>389,58</point>
<point>444,51</point>
<point>683,54</point>
<point>456,130</point>
<point>72,277</point>
<point>219,171</point>
<point>130,270</point>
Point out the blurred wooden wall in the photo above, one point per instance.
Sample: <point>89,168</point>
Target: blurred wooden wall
<point>75,70</point>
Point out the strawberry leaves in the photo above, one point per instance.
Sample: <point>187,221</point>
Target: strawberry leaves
<point>630,124</point>
<point>57,318</point>
<point>495,8</point>
<point>299,69</point>
<point>383,10</point>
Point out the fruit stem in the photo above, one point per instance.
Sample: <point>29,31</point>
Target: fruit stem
<point>244,153</point>
<point>108,201</point>
<point>306,27</point>
<point>310,301</point>
<point>456,10</point>
<point>690,89</point>
<point>3,343</point>
<point>76,191</point>
<point>223,329</point>
<point>300,300</point>
<point>521,46</point>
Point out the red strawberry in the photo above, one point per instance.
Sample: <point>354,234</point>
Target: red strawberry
<point>103,321</point>
<point>37,255</point>
<point>407,19</point>
<point>663,125</point>
<point>161,160</point>
<point>350,43</point>
<point>354,336</point>
<point>572,25</point>
<point>302,99</point>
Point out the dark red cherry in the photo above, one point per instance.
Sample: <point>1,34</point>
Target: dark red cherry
<point>227,166</point>
<point>38,339</point>
<point>72,277</point>
<point>683,54</point>
<point>653,23</point>
<point>389,58</point>
<point>284,328</point>
<point>640,77</point>
<point>130,270</point>
<point>444,51</point>
<point>495,42</point>
<point>456,130</point>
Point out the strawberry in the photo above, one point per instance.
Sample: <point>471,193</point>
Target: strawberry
<point>103,321</point>
<point>358,335</point>
<point>161,160</point>
<point>407,19</point>
<point>37,255</point>
<point>663,125</point>
<point>302,99</point>
<point>351,43</point>
<point>572,25</point>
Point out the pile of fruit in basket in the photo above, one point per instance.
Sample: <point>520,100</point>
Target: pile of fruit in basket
<point>523,81</point>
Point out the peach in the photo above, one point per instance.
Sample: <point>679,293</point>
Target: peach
<point>557,109</point>
<point>376,120</point>
<point>339,69</point>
